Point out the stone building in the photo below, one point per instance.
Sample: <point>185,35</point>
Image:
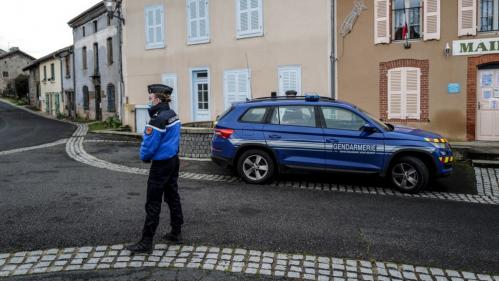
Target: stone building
<point>98,85</point>
<point>12,64</point>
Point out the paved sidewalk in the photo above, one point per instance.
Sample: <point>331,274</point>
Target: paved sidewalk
<point>233,260</point>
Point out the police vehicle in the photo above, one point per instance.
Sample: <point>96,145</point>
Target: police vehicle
<point>266,136</point>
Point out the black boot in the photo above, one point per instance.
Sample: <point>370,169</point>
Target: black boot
<point>174,236</point>
<point>144,246</point>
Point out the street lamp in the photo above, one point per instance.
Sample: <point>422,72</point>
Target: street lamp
<point>112,6</point>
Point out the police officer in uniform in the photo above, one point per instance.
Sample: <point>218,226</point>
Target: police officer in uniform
<point>160,145</point>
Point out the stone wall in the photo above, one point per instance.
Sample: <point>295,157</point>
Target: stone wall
<point>195,142</point>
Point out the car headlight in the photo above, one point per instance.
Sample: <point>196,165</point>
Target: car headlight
<point>439,145</point>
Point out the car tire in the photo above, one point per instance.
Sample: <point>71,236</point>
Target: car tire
<point>255,166</point>
<point>409,174</point>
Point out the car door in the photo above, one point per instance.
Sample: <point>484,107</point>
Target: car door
<point>295,136</point>
<point>348,147</point>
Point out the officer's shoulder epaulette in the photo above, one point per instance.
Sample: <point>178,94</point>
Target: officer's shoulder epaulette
<point>169,117</point>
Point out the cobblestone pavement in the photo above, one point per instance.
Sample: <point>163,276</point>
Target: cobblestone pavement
<point>74,148</point>
<point>487,181</point>
<point>233,260</point>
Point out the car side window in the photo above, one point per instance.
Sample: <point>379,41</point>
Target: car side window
<point>294,116</point>
<point>342,119</point>
<point>254,115</point>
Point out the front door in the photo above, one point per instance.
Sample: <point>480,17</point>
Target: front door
<point>348,148</point>
<point>201,96</point>
<point>98,100</point>
<point>295,136</point>
<point>488,105</point>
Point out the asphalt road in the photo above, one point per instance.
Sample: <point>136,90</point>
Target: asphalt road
<point>48,200</point>
<point>19,128</point>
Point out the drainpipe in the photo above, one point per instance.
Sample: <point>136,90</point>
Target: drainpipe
<point>332,58</point>
<point>74,77</point>
<point>120,58</point>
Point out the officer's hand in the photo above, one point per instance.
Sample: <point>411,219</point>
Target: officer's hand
<point>146,161</point>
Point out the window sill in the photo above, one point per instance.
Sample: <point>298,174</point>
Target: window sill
<point>250,35</point>
<point>410,41</point>
<point>198,42</point>
<point>487,33</point>
<point>424,120</point>
<point>154,47</point>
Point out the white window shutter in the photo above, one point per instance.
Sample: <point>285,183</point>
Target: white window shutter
<point>149,22</point>
<point>381,21</point>
<point>289,79</point>
<point>192,19</point>
<point>243,16</point>
<point>160,27</point>
<point>249,18</point>
<point>467,20</point>
<point>412,92</point>
<point>171,81</point>
<point>154,26</point>
<point>432,19</point>
<point>395,100</point>
<point>236,86</point>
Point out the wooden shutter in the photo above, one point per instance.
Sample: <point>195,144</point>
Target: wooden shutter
<point>432,19</point>
<point>381,21</point>
<point>198,21</point>
<point>171,81</point>
<point>395,93</point>
<point>412,92</point>
<point>237,86</point>
<point>154,26</point>
<point>289,79</point>
<point>467,20</point>
<point>249,18</point>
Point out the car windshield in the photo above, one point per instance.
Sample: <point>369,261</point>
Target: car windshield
<point>376,120</point>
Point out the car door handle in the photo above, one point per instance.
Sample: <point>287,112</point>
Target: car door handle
<point>332,140</point>
<point>274,137</point>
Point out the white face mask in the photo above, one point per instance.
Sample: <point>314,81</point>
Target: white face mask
<point>149,104</point>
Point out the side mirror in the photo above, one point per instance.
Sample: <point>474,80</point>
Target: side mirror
<point>368,128</point>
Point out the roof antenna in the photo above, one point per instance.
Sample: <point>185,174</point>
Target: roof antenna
<point>249,75</point>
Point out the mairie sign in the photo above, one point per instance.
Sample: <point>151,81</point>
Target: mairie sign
<point>475,47</point>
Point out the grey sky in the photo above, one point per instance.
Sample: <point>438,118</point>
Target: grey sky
<point>38,27</point>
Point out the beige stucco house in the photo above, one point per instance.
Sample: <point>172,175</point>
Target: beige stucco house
<point>443,77</point>
<point>215,52</point>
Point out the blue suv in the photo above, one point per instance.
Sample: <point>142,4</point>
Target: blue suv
<point>266,136</point>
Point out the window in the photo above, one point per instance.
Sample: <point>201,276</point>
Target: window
<point>108,20</point>
<point>488,15</point>
<point>236,86</point>
<point>109,51</point>
<point>254,115</point>
<point>86,98</point>
<point>202,89</point>
<point>249,18</point>
<point>342,119</point>
<point>44,73</point>
<point>95,26</point>
<point>154,27</point>
<point>111,98</point>
<point>52,72</point>
<point>96,59</point>
<point>83,31</point>
<point>404,93</point>
<point>67,65</point>
<point>198,30</point>
<point>84,57</point>
<point>406,19</point>
<point>289,79</point>
<point>5,74</point>
<point>294,116</point>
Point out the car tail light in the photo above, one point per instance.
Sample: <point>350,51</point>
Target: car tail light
<point>224,133</point>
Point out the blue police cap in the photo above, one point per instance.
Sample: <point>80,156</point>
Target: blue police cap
<point>159,89</point>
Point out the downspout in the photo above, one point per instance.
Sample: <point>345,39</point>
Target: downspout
<point>73,110</point>
<point>62,85</point>
<point>120,43</point>
<point>332,58</point>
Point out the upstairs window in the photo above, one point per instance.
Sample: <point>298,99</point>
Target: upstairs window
<point>52,72</point>
<point>488,15</point>
<point>198,30</point>
<point>83,31</point>
<point>406,19</point>
<point>154,27</point>
<point>110,51</point>
<point>86,98</point>
<point>95,26</point>
<point>44,73</point>
<point>5,74</point>
<point>67,65</point>
<point>249,18</point>
<point>84,57</point>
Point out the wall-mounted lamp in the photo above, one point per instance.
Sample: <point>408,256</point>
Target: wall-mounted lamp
<point>447,49</point>
<point>112,7</point>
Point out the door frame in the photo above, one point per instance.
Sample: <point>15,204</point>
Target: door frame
<point>191,86</point>
<point>478,124</point>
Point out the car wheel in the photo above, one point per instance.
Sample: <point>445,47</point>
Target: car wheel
<point>409,174</point>
<point>255,166</point>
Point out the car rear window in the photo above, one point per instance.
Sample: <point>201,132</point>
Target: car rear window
<point>227,111</point>
<point>254,115</point>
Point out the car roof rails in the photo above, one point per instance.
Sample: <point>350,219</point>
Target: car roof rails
<point>280,98</point>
